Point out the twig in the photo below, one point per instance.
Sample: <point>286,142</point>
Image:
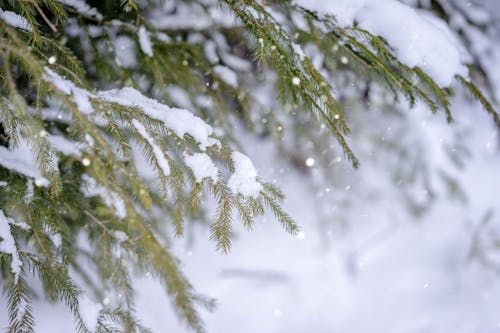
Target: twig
<point>45,18</point>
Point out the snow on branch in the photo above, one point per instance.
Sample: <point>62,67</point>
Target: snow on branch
<point>145,41</point>
<point>419,40</point>
<point>90,188</point>
<point>8,244</point>
<point>80,96</point>
<point>157,151</point>
<point>244,178</point>
<point>180,121</point>
<point>202,166</point>
<point>21,160</point>
<point>15,20</point>
<point>82,8</point>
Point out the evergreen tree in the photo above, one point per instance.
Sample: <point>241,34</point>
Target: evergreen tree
<point>120,122</point>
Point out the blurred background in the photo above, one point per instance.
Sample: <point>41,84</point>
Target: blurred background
<point>409,242</point>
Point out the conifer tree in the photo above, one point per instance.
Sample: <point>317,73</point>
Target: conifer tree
<point>120,120</point>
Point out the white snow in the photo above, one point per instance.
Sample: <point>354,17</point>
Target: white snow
<point>125,52</point>
<point>22,225</point>
<point>80,96</point>
<point>83,8</point>
<point>8,244</point>
<point>227,75</point>
<point>202,166</point>
<point>2,183</point>
<point>345,11</point>
<point>119,205</point>
<point>65,146</point>
<point>90,188</point>
<point>193,22</point>
<point>158,153</point>
<point>145,41</point>
<point>22,161</point>
<point>21,309</point>
<point>120,235</point>
<point>89,311</point>
<point>210,49</point>
<point>235,62</point>
<point>298,51</point>
<point>195,15</point>
<point>55,238</point>
<point>180,121</point>
<point>244,179</point>
<point>42,182</point>
<point>30,191</point>
<point>90,140</point>
<point>418,40</point>
<point>14,20</point>
<point>180,97</point>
